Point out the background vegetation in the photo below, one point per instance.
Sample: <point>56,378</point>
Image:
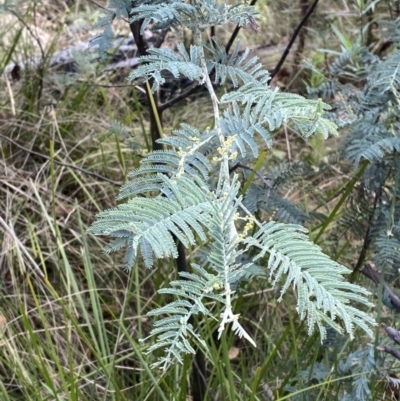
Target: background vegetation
<point>70,316</point>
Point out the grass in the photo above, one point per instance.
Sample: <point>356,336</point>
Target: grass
<point>70,316</point>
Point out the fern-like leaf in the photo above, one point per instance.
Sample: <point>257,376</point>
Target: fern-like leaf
<point>178,13</point>
<point>148,224</point>
<point>372,148</point>
<point>361,364</point>
<point>272,110</point>
<point>166,59</point>
<point>322,293</point>
<point>163,14</point>
<point>235,66</point>
<point>115,9</point>
<point>185,156</point>
<point>174,332</point>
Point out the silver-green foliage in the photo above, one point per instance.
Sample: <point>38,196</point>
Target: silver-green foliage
<point>349,379</point>
<point>370,104</point>
<point>186,191</point>
<point>371,108</point>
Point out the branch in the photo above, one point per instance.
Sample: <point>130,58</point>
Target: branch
<point>393,334</point>
<point>388,293</point>
<point>265,182</point>
<point>155,112</point>
<point>293,38</point>
<point>98,5</point>
<point>366,243</point>
<point>178,98</point>
<point>302,41</point>
<point>87,172</point>
<point>389,350</point>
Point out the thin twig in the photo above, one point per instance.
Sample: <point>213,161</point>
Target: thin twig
<point>28,28</point>
<point>116,86</point>
<point>266,182</point>
<point>87,172</point>
<point>98,5</point>
<point>293,38</point>
<point>215,103</point>
<point>105,8</point>
<point>300,48</point>
<point>366,242</point>
<point>178,98</point>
